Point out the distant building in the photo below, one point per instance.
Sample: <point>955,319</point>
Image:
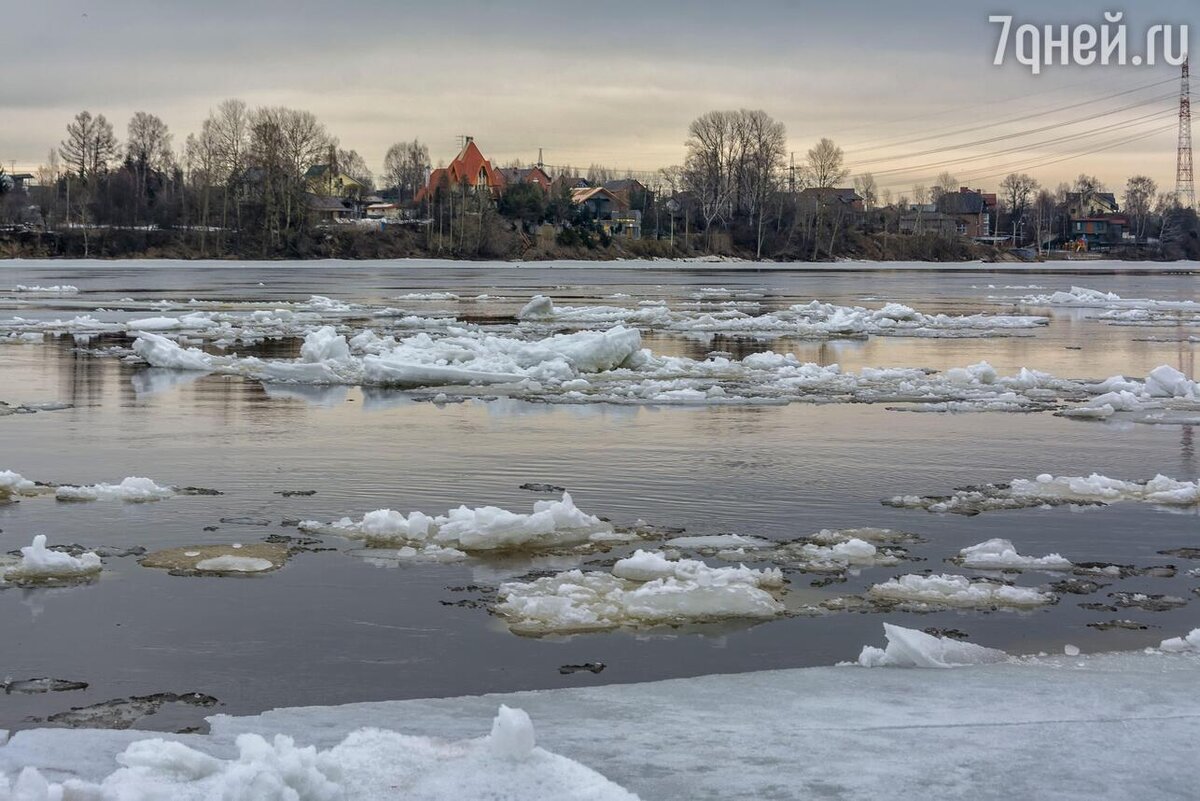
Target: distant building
<point>816,199</point>
<point>327,179</point>
<point>469,168</point>
<point>1093,204</point>
<point>1100,231</point>
<point>623,224</point>
<point>973,210</point>
<point>327,209</point>
<point>599,201</point>
<point>926,221</point>
<point>514,176</point>
<point>632,192</point>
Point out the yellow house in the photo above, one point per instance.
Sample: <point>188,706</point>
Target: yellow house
<point>324,179</point>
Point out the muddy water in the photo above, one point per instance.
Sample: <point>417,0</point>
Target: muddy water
<point>332,627</point>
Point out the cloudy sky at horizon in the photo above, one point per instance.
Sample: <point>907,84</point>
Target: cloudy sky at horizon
<point>613,82</point>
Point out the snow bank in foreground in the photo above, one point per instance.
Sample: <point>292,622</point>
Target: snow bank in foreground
<point>39,562</point>
<point>947,590</point>
<point>134,489</point>
<point>1048,490</point>
<point>912,648</point>
<point>368,765</point>
<point>646,589</point>
<point>552,524</point>
<point>1000,554</point>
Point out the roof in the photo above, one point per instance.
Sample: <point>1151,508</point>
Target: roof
<point>583,194</point>
<point>322,203</point>
<point>961,203</point>
<point>623,184</point>
<point>830,194</point>
<point>464,168</point>
<point>316,171</point>
<point>521,175</point>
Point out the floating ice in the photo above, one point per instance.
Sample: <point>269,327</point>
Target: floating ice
<point>644,590</point>
<point>552,524</point>
<point>134,489</point>
<point>14,484</point>
<point>40,563</point>
<point>234,564</point>
<point>814,319</point>
<point>1048,490</point>
<point>57,289</point>
<point>912,648</point>
<point>1185,644</point>
<point>999,554</point>
<point>948,590</point>
<point>1093,298</point>
<point>368,764</point>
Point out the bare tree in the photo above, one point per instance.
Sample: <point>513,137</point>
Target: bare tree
<point>90,145</point>
<point>1140,194</point>
<point>867,190</point>
<point>350,163</point>
<point>944,184</point>
<point>406,167</point>
<point>1045,207</point>
<point>713,153</point>
<point>1018,192</point>
<point>229,129</point>
<point>763,151</point>
<point>825,164</point>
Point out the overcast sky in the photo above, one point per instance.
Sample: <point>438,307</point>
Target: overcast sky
<point>614,82</point>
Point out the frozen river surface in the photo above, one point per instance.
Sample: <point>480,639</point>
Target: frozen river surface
<point>649,446</point>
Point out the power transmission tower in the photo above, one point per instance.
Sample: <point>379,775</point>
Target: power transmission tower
<point>1185,188</point>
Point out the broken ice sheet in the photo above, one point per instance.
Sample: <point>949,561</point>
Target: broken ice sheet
<point>643,590</point>
<point>948,591</point>
<point>1048,490</point>
<point>228,560</point>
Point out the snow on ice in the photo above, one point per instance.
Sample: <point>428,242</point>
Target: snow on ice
<point>1048,490</point>
<point>951,591</point>
<point>369,764</point>
<point>1000,554</point>
<point>552,524</point>
<point>134,489</point>
<point>645,589</point>
<point>15,485</point>
<point>39,563</point>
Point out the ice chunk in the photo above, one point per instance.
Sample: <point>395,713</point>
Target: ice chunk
<point>552,524</point>
<point>1000,554</point>
<point>539,307</point>
<point>1049,490</point>
<point>324,344</point>
<point>947,590</point>
<point>134,489</point>
<point>57,289</point>
<point>1187,643</point>
<point>672,593</point>
<point>512,734</point>
<point>39,562</point>
<point>912,648</point>
<point>13,484</point>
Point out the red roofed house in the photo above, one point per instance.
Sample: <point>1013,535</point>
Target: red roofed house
<point>469,167</point>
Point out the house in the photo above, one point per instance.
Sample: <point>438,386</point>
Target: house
<point>817,199</point>
<point>1101,230</point>
<point>973,210</point>
<point>327,179</point>
<point>598,200</point>
<point>514,176</point>
<point>20,181</point>
<point>469,168</point>
<point>623,224</point>
<point>382,211</point>
<point>1091,204</point>
<point>925,220</point>
<point>632,192</point>
<point>323,209</point>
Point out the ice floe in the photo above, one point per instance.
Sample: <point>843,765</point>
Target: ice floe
<point>551,525</point>
<point>1083,297</point>
<point>1049,490</point>
<point>1001,554</point>
<point>916,649</point>
<point>645,589</point>
<point>57,289</point>
<point>947,590</point>
<point>370,763</point>
<point>15,485</point>
<point>41,564</point>
<point>231,559</point>
<point>805,320</point>
<point>134,489</point>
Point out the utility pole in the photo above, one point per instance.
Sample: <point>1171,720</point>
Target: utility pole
<point>792,175</point>
<point>1185,188</point>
